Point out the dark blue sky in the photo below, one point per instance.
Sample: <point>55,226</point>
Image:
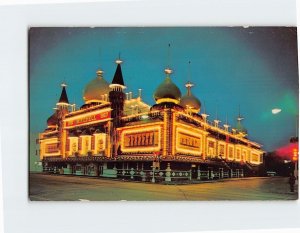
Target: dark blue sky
<point>255,68</point>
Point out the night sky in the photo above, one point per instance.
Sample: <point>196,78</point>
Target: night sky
<point>255,68</point>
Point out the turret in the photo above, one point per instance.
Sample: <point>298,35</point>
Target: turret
<point>63,102</point>
<point>116,94</point>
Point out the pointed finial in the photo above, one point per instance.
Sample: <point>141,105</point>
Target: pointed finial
<point>169,54</point>
<point>217,121</point>
<point>226,126</point>
<point>204,115</point>
<point>100,55</point>
<point>99,73</point>
<point>240,118</point>
<point>168,70</point>
<point>118,60</point>
<point>189,71</point>
<point>189,85</point>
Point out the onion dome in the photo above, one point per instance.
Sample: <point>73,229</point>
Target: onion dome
<point>189,101</point>
<point>96,90</point>
<point>52,121</point>
<point>167,91</point>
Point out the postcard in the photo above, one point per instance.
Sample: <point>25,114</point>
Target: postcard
<point>163,113</point>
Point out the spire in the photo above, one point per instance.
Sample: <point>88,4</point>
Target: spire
<point>204,115</point>
<point>239,127</point>
<point>118,77</point>
<point>189,85</point>
<point>240,118</point>
<point>99,73</point>
<point>226,125</point>
<point>189,71</point>
<point>168,70</point>
<point>63,97</point>
<point>217,121</point>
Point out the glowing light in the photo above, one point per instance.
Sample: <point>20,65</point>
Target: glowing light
<point>168,71</point>
<point>167,100</point>
<point>276,110</point>
<point>196,151</point>
<point>119,61</point>
<point>145,117</point>
<point>140,130</point>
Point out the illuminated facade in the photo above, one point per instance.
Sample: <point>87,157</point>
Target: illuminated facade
<point>116,135</point>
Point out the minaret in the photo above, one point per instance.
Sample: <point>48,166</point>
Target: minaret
<point>117,99</point>
<point>63,102</point>
<point>116,95</point>
<point>62,106</point>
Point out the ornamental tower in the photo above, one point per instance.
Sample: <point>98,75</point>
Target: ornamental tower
<point>116,94</point>
<point>63,102</point>
<point>62,110</point>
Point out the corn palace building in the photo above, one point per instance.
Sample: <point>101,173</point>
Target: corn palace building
<point>116,135</point>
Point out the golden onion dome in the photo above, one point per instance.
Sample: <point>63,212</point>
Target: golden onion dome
<point>97,90</point>
<point>189,101</point>
<point>167,91</point>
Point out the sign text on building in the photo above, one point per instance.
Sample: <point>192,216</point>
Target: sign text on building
<point>88,119</point>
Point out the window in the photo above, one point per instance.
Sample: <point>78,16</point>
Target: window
<point>68,145</point>
<point>222,150</point>
<point>211,144</point>
<point>52,148</point>
<point>238,154</point>
<point>93,143</point>
<point>230,152</point>
<point>80,143</point>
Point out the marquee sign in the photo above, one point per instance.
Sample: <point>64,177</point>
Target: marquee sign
<point>145,139</point>
<point>91,118</point>
<point>188,142</point>
<point>141,139</point>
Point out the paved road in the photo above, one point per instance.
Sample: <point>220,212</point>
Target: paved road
<point>71,188</point>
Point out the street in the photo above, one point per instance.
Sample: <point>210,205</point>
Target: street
<point>45,187</point>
